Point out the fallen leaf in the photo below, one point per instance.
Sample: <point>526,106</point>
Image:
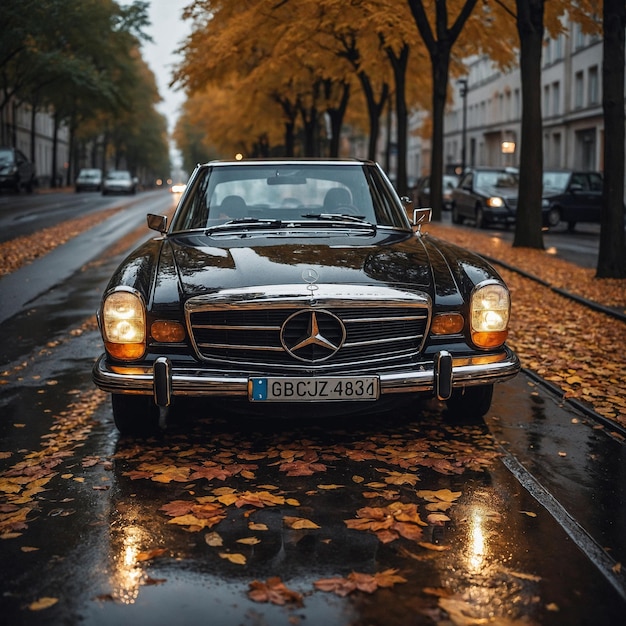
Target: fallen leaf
<point>42,603</point>
<point>149,554</point>
<point>299,523</point>
<point>249,541</point>
<point>273,590</point>
<point>213,539</point>
<point>237,559</point>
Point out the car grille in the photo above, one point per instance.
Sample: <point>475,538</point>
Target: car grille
<point>263,338</point>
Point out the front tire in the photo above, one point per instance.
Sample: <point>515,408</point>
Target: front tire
<point>554,217</point>
<point>135,415</point>
<point>470,403</point>
<point>480,218</point>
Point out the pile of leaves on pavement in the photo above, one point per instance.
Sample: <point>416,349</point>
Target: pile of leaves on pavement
<point>575,348</point>
<point>20,251</point>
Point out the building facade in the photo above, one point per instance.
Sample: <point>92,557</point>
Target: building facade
<point>483,123</point>
<point>32,132</point>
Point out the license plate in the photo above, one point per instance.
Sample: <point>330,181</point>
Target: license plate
<point>318,389</point>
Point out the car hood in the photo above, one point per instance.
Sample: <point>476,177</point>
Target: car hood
<point>195,265</point>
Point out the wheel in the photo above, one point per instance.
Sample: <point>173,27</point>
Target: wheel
<point>135,415</point>
<point>456,218</point>
<point>480,218</point>
<point>470,403</point>
<point>554,217</point>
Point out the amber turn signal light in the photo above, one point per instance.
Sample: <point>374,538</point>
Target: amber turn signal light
<point>447,324</point>
<point>167,331</point>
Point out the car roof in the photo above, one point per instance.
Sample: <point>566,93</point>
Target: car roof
<point>289,161</point>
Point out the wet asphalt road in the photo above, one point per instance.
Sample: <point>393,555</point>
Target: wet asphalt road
<point>176,529</point>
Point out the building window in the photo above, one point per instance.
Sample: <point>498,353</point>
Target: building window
<point>556,98</point>
<point>546,100</point>
<point>558,48</point>
<point>579,37</point>
<point>594,96</point>
<point>578,90</point>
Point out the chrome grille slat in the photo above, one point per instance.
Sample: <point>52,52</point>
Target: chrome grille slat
<point>387,331</point>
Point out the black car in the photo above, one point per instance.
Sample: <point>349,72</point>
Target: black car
<point>292,283</point>
<point>486,195</point>
<point>16,170</point>
<point>571,196</point>
<point>422,191</point>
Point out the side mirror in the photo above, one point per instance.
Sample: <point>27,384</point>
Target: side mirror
<point>421,216</point>
<point>575,187</point>
<point>157,222</point>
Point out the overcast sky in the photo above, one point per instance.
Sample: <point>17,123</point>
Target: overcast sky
<point>168,30</point>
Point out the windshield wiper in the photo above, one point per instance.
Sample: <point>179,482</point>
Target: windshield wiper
<point>247,222</point>
<point>345,217</point>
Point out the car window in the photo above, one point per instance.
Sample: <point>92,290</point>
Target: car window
<point>580,179</point>
<point>496,179</point>
<point>595,182</point>
<point>555,181</point>
<point>287,192</point>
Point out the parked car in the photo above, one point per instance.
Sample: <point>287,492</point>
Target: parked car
<point>16,170</point>
<point>291,283</point>
<point>88,179</point>
<point>571,196</point>
<point>487,195</point>
<point>118,181</point>
<point>422,192</point>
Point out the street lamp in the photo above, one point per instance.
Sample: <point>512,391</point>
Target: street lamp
<point>463,83</point>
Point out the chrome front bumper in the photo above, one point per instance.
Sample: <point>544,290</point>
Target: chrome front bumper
<point>439,377</point>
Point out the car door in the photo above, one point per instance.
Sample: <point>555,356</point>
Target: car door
<point>592,212</point>
<point>463,196</point>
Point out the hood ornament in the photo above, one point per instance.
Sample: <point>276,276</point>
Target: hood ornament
<point>310,276</point>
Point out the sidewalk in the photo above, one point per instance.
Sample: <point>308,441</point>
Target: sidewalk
<point>578,350</point>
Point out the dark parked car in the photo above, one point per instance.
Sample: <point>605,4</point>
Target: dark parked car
<point>571,196</point>
<point>88,179</point>
<point>291,283</point>
<point>422,192</point>
<point>118,181</point>
<point>16,170</point>
<point>487,195</point>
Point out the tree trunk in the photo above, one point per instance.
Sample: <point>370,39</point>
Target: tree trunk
<point>399,64</point>
<point>528,223</point>
<point>612,253</point>
<point>374,110</point>
<point>439,49</point>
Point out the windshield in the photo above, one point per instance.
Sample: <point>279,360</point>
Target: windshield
<point>5,156</point>
<point>555,181</point>
<point>288,192</point>
<point>496,179</point>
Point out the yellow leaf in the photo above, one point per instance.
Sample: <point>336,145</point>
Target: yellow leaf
<point>432,546</point>
<point>292,502</point>
<point>299,523</point>
<point>42,603</point>
<point>237,559</point>
<point>357,479</point>
<point>213,539</point>
<point>249,541</point>
<point>253,526</point>
<point>529,513</point>
<point>330,487</point>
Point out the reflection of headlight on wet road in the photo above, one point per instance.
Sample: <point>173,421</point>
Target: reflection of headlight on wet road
<point>476,542</point>
<point>127,575</point>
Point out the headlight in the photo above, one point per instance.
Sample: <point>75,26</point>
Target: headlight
<point>124,325</point>
<point>495,202</point>
<point>490,306</point>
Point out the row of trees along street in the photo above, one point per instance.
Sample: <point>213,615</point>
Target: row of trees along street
<point>267,77</point>
<point>81,60</point>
